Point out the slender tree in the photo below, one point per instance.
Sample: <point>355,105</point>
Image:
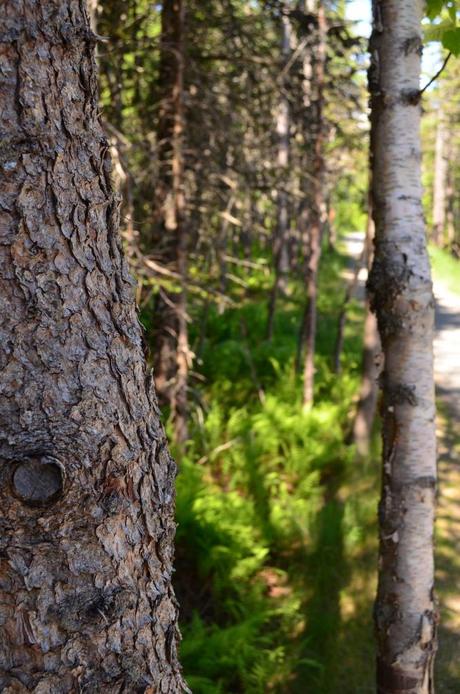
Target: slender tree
<point>401,293</point>
<point>87,483</point>
<point>172,353</point>
<point>368,393</point>
<point>317,198</point>
<point>440,181</point>
<point>280,246</point>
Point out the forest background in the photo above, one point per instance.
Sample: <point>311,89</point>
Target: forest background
<point>239,136</point>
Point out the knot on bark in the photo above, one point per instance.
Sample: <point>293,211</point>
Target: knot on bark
<point>402,393</point>
<point>411,97</point>
<point>413,44</point>
<point>37,480</point>
<point>387,281</point>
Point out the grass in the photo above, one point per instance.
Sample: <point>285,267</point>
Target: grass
<point>446,269</point>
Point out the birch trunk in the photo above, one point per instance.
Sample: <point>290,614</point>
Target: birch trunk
<point>87,483</point>
<point>401,294</point>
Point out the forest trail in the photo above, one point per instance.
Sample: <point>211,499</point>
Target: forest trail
<point>447,376</point>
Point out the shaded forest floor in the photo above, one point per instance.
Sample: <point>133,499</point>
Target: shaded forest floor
<point>276,544</point>
<point>277,536</point>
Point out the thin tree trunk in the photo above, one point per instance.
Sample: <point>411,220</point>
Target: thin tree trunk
<point>172,353</point>
<point>318,205</point>
<point>450,207</point>
<point>340,338</point>
<point>401,294</point>
<point>280,248</point>
<point>440,182</point>
<point>87,483</point>
<point>367,403</point>
<point>368,394</point>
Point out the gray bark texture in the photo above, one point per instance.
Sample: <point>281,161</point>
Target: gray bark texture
<point>86,480</point>
<point>401,294</point>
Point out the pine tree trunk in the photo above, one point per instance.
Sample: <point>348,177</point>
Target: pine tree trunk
<point>172,353</point>
<point>87,483</point>
<point>401,293</point>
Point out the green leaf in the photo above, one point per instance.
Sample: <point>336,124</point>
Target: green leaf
<point>434,8</point>
<point>435,32</point>
<point>453,13</point>
<point>451,40</point>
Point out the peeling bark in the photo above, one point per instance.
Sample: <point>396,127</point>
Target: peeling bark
<point>87,483</point>
<point>401,294</point>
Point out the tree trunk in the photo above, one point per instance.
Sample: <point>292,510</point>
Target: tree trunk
<point>280,246</point>
<point>367,403</point>
<point>368,394</point>
<point>87,483</point>
<point>450,207</point>
<point>318,203</point>
<point>341,323</point>
<point>401,294</point>
<point>440,182</point>
<point>172,353</point>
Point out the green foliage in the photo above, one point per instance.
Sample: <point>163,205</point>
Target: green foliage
<point>267,521</point>
<point>444,17</point>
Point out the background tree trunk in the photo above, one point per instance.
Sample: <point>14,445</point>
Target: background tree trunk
<point>172,353</point>
<point>368,393</point>
<point>87,483</point>
<point>440,182</point>
<point>401,293</point>
<point>280,245</point>
<point>318,202</point>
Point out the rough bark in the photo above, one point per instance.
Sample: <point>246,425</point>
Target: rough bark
<point>401,293</point>
<point>87,483</point>
<point>318,202</point>
<point>172,353</point>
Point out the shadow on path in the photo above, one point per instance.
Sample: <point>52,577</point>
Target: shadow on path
<point>447,371</point>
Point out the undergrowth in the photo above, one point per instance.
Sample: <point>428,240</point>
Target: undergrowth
<point>275,549</point>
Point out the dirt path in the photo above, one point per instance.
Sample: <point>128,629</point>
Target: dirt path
<point>447,374</point>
